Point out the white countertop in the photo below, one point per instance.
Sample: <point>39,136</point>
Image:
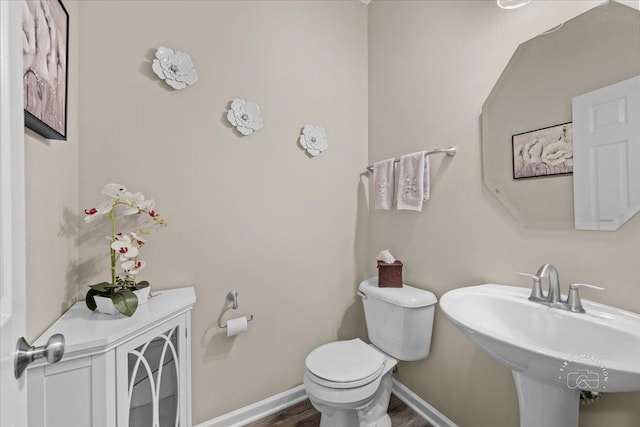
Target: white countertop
<point>88,332</point>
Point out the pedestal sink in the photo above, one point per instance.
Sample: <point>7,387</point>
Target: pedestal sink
<point>553,353</point>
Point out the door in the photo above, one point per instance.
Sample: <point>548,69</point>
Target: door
<point>13,396</point>
<point>606,151</point>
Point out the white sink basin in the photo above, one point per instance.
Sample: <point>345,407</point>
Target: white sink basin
<point>553,353</point>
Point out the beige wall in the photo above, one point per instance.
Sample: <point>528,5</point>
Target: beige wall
<point>51,169</point>
<point>431,66</point>
<point>288,232</point>
<point>248,213</point>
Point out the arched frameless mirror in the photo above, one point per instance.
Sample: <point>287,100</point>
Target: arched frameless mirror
<point>531,104</point>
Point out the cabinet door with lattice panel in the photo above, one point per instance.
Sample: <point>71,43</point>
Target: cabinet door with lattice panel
<point>151,378</point>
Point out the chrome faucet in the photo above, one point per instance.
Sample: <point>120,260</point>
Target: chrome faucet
<point>537,294</point>
<point>553,297</point>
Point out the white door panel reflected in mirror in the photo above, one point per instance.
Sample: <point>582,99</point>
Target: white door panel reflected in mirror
<point>606,151</point>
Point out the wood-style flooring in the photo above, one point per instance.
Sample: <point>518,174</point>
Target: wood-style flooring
<point>305,415</point>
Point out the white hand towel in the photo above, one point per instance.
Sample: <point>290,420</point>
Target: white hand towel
<point>426,184</point>
<point>411,182</point>
<point>384,183</point>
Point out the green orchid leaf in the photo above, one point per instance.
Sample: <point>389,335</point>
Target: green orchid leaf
<point>142,285</point>
<point>102,287</point>
<point>90,301</point>
<point>126,302</point>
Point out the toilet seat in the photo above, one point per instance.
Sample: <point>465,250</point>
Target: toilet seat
<point>344,364</point>
<point>344,385</point>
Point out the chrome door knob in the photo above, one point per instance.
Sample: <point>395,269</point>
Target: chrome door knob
<point>53,351</point>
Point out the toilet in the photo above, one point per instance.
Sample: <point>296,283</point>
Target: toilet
<point>349,382</point>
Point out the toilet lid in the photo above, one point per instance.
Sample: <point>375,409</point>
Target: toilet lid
<point>344,361</point>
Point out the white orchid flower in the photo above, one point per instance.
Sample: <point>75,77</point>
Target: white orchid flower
<point>114,190</point>
<point>97,212</point>
<point>138,240</point>
<point>138,199</point>
<point>132,267</point>
<point>127,198</point>
<point>122,245</point>
<point>147,205</point>
<point>134,200</point>
<point>141,203</point>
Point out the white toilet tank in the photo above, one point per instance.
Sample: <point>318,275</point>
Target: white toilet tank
<point>399,320</point>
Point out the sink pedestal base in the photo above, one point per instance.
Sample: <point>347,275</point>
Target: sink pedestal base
<point>544,404</point>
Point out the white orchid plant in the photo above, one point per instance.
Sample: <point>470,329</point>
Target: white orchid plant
<point>123,247</point>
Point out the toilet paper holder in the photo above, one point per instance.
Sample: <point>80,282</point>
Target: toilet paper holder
<point>232,297</point>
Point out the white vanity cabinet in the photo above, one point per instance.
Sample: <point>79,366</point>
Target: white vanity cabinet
<point>118,371</point>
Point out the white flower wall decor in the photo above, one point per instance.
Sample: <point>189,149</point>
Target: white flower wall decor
<point>245,116</point>
<point>176,69</point>
<point>314,139</point>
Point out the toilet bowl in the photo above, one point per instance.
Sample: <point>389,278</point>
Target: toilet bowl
<point>349,382</point>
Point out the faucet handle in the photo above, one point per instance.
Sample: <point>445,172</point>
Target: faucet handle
<point>573,299</point>
<point>536,290</point>
<point>533,276</point>
<point>576,286</point>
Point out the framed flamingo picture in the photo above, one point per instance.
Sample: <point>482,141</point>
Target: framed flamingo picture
<point>543,152</point>
<point>45,29</point>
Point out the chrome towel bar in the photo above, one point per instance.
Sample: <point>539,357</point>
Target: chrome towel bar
<point>449,151</point>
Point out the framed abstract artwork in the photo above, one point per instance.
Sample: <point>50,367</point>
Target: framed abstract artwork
<point>45,27</point>
<point>543,152</point>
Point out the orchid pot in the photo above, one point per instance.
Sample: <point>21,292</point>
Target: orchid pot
<point>119,301</point>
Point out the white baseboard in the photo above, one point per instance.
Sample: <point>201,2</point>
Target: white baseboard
<point>421,407</point>
<point>258,410</point>
<point>273,404</point>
